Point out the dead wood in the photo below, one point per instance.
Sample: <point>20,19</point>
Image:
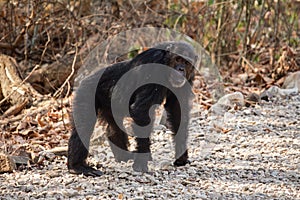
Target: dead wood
<point>6,164</point>
<point>12,88</point>
<point>48,78</point>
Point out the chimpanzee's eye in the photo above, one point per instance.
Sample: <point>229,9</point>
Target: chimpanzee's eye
<point>178,59</point>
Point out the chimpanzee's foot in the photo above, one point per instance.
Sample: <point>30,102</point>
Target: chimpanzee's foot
<point>84,169</point>
<point>141,162</point>
<point>124,156</point>
<point>182,160</point>
<point>179,162</point>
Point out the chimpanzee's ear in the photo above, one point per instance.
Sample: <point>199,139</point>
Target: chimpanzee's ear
<point>196,61</point>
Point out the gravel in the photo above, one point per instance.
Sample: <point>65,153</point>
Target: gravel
<point>252,153</point>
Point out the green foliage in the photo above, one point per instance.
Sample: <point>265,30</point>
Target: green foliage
<point>175,20</point>
<point>294,42</point>
<point>177,17</point>
<point>133,51</point>
<point>210,2</point>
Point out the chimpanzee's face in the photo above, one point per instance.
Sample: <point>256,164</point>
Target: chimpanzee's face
<point>184,71</point>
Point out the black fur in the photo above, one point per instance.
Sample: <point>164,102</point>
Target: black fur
<point>140,103</point>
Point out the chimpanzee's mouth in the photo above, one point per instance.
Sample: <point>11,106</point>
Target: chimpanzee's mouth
<point>177,79</point>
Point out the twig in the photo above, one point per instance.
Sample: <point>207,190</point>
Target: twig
<point>44,51</point>
<point>136,12</point>
<point>249,5</point>
<point>250,65</point>
<point>257,29</point>
<point>220,34</point>
<point>239,17</point>
<point>276,26</point>
<point>14,44</point>
<point>59,91</point>
<point>177,20</point>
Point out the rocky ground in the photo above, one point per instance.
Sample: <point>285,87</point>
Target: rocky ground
<point>252,153</point>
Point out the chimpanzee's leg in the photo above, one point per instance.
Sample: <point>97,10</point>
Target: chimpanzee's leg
<point>77,154</point>
<point>84,119</point>
<point>142,130</point>
<point>178,122</point>
<point>118,140</point>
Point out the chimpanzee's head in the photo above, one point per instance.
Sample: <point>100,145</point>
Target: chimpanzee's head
<point>182,58</point>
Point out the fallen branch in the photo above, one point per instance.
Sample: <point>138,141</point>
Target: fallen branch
<point>13,89</point>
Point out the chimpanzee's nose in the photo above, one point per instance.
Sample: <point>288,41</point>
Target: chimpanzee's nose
<point>181,69</point>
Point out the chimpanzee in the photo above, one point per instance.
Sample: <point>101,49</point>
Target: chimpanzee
<point>180,58</point>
